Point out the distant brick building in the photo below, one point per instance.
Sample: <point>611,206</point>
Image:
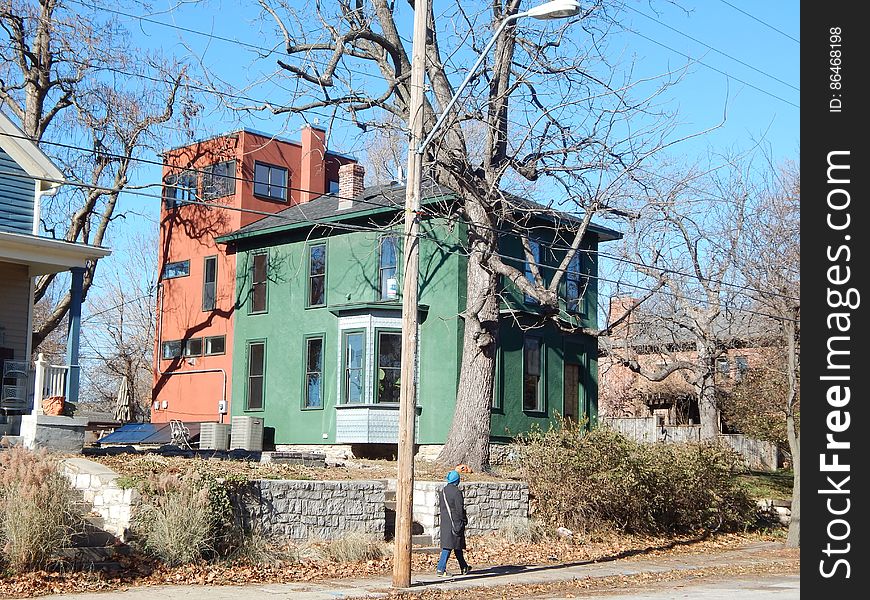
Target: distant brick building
<point>654,341</point>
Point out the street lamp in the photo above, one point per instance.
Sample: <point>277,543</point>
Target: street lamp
<point>556,9</point>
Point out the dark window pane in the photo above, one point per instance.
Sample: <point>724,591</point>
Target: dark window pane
<point>215,345</point>
<point>531,374</point>
<point>318,260</point>
<point>315,355</point>
<point>255,363</point>
<point>255,393</point>
<point>193,347</point>
<point>317,275</point>
<point>209,284</point>
<point>258,283</point>
<point>270,181</point>
<point>389,366</point>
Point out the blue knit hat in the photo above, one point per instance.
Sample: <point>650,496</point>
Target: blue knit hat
<point>452,477</point>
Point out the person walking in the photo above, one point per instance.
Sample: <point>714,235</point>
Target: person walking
<point>453,522</point>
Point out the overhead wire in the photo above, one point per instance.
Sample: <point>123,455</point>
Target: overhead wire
<point>765,23</point>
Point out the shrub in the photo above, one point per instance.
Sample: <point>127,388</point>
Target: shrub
<point>174,522</point>
<point>353,547</point>
<point>37,508</point>
<point>519,530</point>
<point>588,480</point>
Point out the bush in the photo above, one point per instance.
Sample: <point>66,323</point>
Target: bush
<point>588,480</point>
<point>174,522</point>
<point>518,530</point>
<point>37,508</point>
<point>354,547</point>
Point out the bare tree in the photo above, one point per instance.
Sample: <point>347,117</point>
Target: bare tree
<point>770,264</point>
<point>688,241</point>
<point>119,342</point>
<point>552,110</point>
<point>94,103</point>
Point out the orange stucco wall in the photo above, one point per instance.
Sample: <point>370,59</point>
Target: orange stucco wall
<point>181,390</point>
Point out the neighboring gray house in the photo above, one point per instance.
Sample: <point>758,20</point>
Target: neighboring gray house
<point>26,175</point>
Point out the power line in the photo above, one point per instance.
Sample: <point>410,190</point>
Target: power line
<point>686,35</point>
<point>765,23</point>
<point>396,207</point>
<point>700,62</point>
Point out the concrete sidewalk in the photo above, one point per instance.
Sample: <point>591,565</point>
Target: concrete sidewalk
<point>779,586</point>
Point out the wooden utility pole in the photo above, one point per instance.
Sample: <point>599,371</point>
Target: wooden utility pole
<point>410,325</point>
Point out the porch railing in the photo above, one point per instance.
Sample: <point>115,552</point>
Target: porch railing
<point>49,381</point>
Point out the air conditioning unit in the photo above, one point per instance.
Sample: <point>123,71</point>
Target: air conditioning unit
<point>214,436</point>
<point>247,434</point>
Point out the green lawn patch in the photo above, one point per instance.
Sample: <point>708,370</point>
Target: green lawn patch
<point>777,486</point>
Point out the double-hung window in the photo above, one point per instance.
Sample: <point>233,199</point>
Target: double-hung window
<point>313,372</point>
<point>209,283</point>
<point>388,368</point>
<point>532,369</point>
<point>270,181</point>
<point>317,275</point>
<point>354,366</point>
<point>387,267</point>
<point>256,375</point>
<point>573,289</point>
<point>535,247</point>
<point>259,276</point>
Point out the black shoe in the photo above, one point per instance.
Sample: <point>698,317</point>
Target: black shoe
<point>465,570</point>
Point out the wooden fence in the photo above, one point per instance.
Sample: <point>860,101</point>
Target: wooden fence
<point>757,454</point>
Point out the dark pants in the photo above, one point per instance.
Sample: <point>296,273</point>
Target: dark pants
<point>445,554</point>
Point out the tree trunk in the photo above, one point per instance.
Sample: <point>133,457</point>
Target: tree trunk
<point>794,525</point>
<point>468,439</point>
<point>708,410</point>
<point>794,437</point>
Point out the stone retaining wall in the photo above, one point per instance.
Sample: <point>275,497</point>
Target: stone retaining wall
<point>299,510</point>
<point>487,505</point>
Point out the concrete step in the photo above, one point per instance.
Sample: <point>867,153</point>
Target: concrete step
<point>421,539</point>
<point>95,557</point>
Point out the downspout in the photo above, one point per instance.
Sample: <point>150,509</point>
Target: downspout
<point>196,371</point>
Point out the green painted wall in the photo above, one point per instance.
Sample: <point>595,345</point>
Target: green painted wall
<point>352,279</point>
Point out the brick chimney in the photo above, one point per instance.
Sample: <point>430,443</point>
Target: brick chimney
<point>312,179</point>
<point>351,183</point>
<point>619,305</point>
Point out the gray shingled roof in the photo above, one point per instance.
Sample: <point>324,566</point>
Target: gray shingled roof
<point>382,197</point>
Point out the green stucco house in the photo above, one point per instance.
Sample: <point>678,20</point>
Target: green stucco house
<point>317,337</point>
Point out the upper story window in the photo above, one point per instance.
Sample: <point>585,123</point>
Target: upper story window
<point>219,180</point>
<point>317,275</point>
<point>535,247</point>
<point>723,366</point>
<point>171,349</point>
<point>573,282</point>
<point>742,364</point>
<point>333,187</point>
<point>259,276</point>
<point>209,283</point>
<point>387,267</point>
<point>179,268</point>
<point>270,181</point>
<point>180,188</point>
<point>532,369</point>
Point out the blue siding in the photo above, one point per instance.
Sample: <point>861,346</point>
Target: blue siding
<point>16,197</point>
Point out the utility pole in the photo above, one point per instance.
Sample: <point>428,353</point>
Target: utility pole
<point>410,325</point>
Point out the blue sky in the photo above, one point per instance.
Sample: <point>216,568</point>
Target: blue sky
<point>741,59</point>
